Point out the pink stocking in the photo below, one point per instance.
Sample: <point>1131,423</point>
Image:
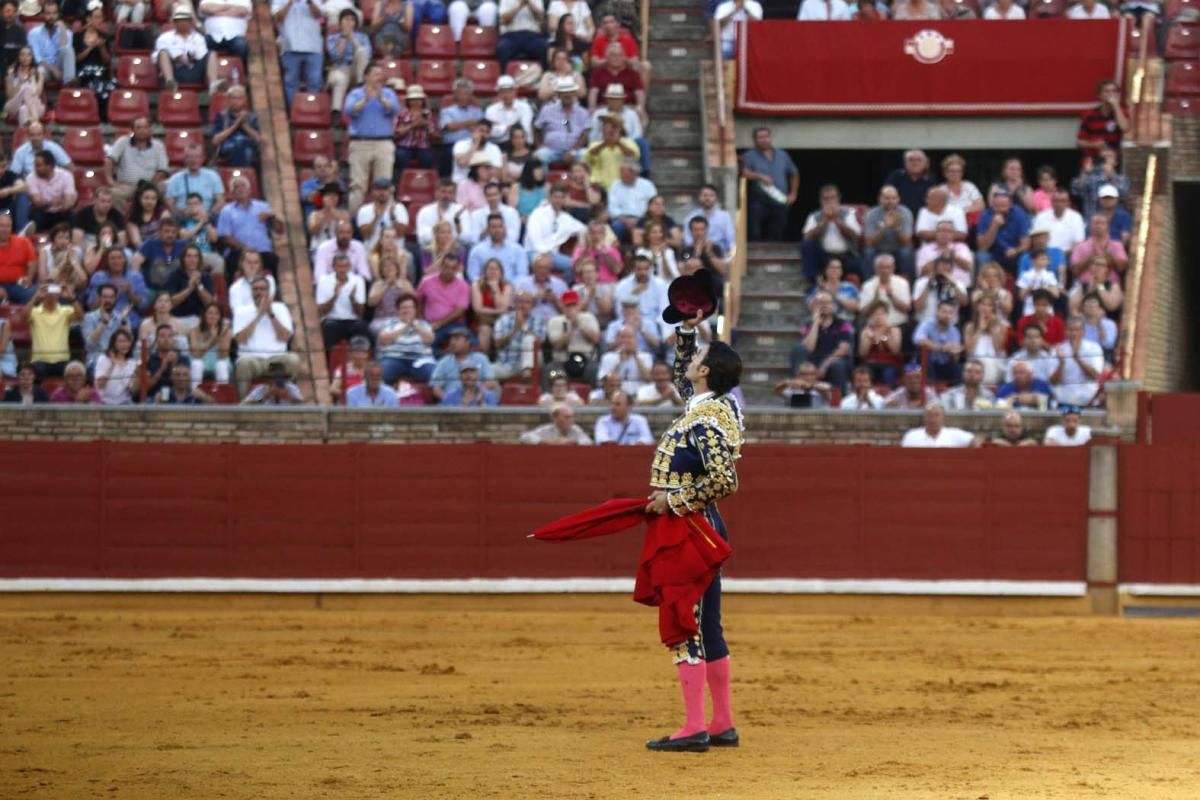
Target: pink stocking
<point>722,695</point>
<point>691,681</point>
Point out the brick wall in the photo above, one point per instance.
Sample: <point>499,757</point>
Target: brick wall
<point>323,425</point>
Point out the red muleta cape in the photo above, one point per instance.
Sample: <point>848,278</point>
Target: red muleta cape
<point>680,556</point>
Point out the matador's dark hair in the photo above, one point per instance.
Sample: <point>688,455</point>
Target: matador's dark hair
<point>724,367</point>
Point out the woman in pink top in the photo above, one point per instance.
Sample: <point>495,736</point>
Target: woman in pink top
<point>606,257</point>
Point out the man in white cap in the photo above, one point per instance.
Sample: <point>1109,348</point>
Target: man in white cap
<point>562,125</point>
<point>1120,222</point>
<point>181,53</point>
<point>508,111</point>
<point>615,106</point>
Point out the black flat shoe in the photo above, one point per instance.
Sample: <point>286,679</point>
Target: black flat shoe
<point>728,738</point>
<point>696,743</point>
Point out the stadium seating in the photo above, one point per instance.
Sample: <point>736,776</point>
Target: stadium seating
<point>1176,7</point>
<point>85,146</point>
<point>229,173</point>
<point>126,105</point>
<point>77,107</point>
<point>216,104</point>
<point>1183,43</point>
<point>517,69</point>
<point>308,144</point>
<point>437,77</point>
<point>1182,106</point>
<point>176,141</point>
<point>87,180</point>
<point>231,69</point>
<point>396,68</point>
<point>1183,79</point>
<point>137,72</point>
<point>1047,8</point>
<point>179,109</point>
<point>129,32</point>
<point>484,75</point>
<point>478,42</point>
<point>311,110</point>
<point>519,394</point>
<point>418,183</point>
<point>435,41</point>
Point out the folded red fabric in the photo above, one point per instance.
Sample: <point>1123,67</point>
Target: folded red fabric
<point>680,556</point>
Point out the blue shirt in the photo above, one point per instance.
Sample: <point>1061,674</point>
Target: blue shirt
<point>137,287</point>
<point>22,160</point>
<point>1039,387</point>
<point>1057,259</point>
<point>929,331</point>
<point>386,397</point>
<point>346,58</point>
<point>244,225</point>
<point>207,184</point>
<point>45,45</point>
<point>779,166</point>
<point>720,227</point>
<point>1119,224</point>
<point>374,121</point>
<point>634,430</point>
<point>454,397</point>
<point>1015,227</point>
<point>445,374</point>
<point>456,113</point>
<point>514,259</point>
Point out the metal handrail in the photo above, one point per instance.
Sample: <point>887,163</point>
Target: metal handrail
<point>737,268</point>
<point>722,104</point>
<point>1144,111</point>
<point>1137,269</point>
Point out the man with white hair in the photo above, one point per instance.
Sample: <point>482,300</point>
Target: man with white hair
<point>562,126</point>
<point>1080,362</point>
<point>934,432</point>
<point>517,335</point>
<point>938,209</point>
<point>560,430</point>
<point>628,198</point>
<point>632,366</point>
<point>235,131</point>
<point>247,224</point>
<point>912,180</point>
<point>508,112</point>
<point>1024,390</point>
<point>621,425</point>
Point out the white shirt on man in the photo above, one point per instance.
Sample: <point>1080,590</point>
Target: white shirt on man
<point>503,118</point>
<point>1077,11</point>
<point>546,231</point>
<point>928,221</point>
<point>1057,434</point>
<point>222,27</point>
<point>1074,385</point>
<point>475,228</point>
<point>851,402</point>
<point>633,430</point>
<point>1065,231</point>
<point>494,156</point>
<point>353,291</point>
<point>323,260</point>
<point>176,46</point>
<point>833,241</point>
<point>824,11</point>
<point>432,214</point>
<point>397,215</point>
<point>631,376</point>
<point>240,293</point>
<point>262,342</point>
<point>946,437</point>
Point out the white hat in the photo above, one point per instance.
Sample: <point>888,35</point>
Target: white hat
<point>1108,190</point>
<point>565,85</point>
<point>506,82</point>
<point>615,90</point>
<point>183,12</point>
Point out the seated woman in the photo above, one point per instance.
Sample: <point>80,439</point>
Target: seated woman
<point>443,242</point>
<point>24,89</point>
<point>491,297</point>
<point>209,344</point>
<point>386,292</point>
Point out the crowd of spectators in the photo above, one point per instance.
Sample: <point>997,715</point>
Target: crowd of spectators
<point>935,433</point>
<point>139,270</point>
<point>1005,296</point>
<point>542,247</point>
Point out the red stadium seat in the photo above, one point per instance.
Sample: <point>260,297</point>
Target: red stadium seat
<point>1182,106</point>
<point>126,105</point>
<point>435,41</point>
<point>1175,8</point>
<point>217,104</point>
<point>1183,43</point>
<point>1183,79</point>
<point>437,77</point>
<point>77,107</point>
<point>224,393</point>
<point>137,72</point>
<point>230,68</point>
<point>307,145</point>
<point>1133,43</point>
<point>162,10</point>
<point>518,69</point>
<point>413,206</point>
<point>483,74</point>
<point>519,394</point>
<point>85,146</point>
<point>20,137</point>
<point>396,68</point>
<point>176,141</point>
<point>418,182</point>
<point>554,176</point>
<point>87,181</point>
<point>478,42</point>
<point>310,110</point>
<point>229,173</point>
<point>179,109</point>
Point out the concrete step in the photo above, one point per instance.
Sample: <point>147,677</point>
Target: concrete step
<point>788,251</point>
<point>676,24</point>
<point>766,285</point>
<point>753,357</point>
<point>675,68</point>
<point>773,320</point>
<point>674,131</point>
<point>759,339</point>
<point>665,101</point>
<point>678,48</point>
<point>774,267</point>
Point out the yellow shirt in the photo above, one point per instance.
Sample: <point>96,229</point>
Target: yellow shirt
<point>50,331</point>
<point>605,162</point>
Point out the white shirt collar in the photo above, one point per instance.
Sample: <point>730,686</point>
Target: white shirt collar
<point>698,399</point>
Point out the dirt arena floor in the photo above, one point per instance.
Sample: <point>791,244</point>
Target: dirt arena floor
<point>551,697</point>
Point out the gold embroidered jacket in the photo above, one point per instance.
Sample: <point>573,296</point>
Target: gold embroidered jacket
<point>695,462</point>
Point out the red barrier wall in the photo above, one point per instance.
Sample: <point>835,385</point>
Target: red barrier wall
<point>1159,518</point>
<point>103,509</point>
<point>1170,419</point>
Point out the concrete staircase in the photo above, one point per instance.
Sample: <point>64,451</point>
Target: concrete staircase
<point>679,41</point>
<point>772,313</point>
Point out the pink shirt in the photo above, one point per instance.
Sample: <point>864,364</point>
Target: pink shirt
<point>441,298</point>
<point>604,273</point>
<point>54,191</point>
<point>1084,251</point>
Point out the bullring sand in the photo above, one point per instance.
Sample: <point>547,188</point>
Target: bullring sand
<point>551,697</point>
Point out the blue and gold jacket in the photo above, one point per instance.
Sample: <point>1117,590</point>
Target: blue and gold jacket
<point>696,459</point>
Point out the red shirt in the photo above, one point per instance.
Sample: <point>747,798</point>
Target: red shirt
<point>15,258</point>
<point>1101,128</point>
<point>628,77</point>
<point>1054,328</point>
<point>601,42</point>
